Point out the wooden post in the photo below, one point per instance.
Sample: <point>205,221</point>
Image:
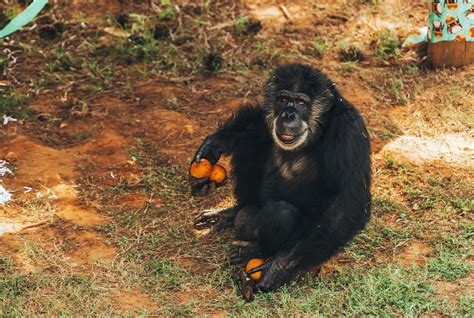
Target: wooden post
<point>451,33</point>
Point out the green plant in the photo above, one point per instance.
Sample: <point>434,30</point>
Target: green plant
<point>167,10</point>
<point>241,24</point>
<point>448,266</point>
<point>347,68</point>
<point>398,89</point>
<point>166,274</point>
<point>320,47</point>
<point>388,45</point>
<point>14,104</point>
<point>350,52</point>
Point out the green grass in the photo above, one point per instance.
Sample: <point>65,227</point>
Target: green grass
<point>384,205</point>
<point>63,61</point>
<point>241,24</point>
<point>14,104</point>
<point>449,267</point>
<point>347,68</point>
<point>321,47</point>
<point>385,291</point>
<point>164,275</point>
<point>388,45</point>
<point>32,294</point>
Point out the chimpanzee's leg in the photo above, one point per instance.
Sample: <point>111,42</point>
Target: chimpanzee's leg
<point>280,226</point>
<point>246,223</point>
<point>277,226</point>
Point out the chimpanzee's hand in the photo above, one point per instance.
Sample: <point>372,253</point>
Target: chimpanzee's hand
<point>201,186</point>
<point>276,272</point>
<point>208,150</point>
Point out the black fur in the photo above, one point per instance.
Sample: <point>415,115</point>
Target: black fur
<point>299,207</point>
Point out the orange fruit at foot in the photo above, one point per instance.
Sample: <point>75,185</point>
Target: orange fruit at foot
<point>218,173</point>
<point>252,264</point>
<point>201,169</point>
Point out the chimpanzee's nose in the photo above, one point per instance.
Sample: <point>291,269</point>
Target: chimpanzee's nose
<point>289,115</point>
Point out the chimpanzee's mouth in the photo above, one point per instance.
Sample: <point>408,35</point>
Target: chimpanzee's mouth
<point>288,139</point>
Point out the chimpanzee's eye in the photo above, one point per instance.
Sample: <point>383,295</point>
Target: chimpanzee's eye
<point>284,100</point>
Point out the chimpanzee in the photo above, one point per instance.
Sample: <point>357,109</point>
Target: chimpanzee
<point>302,172</point>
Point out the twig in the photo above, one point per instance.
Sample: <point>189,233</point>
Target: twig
<point>221,25</point>
<point>285,11</point>
<point>33,225</point>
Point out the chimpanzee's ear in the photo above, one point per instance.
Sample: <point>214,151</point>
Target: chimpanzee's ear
<point>324,100</point>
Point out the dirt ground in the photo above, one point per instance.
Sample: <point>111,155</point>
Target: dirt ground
<point>112,98</point>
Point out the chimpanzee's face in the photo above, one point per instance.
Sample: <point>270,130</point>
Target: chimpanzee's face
<point>291,118</point>
<point>295,98</point>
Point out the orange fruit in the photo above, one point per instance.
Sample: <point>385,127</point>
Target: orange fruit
<point>218,174</point>
<point>201,169</point>
<point>252,264</point>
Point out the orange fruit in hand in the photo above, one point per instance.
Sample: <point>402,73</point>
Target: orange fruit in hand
<point>218,173</point>
<point>200,169</point>
<point>254,262</point>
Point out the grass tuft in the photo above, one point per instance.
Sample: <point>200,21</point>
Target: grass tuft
<point>14,104</point>
<point>388,45</point>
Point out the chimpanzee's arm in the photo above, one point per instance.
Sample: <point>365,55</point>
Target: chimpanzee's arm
<point>248,122</point>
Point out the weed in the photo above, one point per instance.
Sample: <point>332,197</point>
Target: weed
<point>466,304</point>
<point>6,265</point>
<point>347,68</point>
<point>64,295</point>
<point>413,69</point>
<point>63,61</point>
<point>350,52</point>
<point>398,166</point>
<point>165,275</point>
<point>388,45</point>
<point>240,24</point>
<point>391,290</point>
<point>102,76</point>
<point>398,89</point>
<point>321,47</point>
<point>448,266</point>
<point>12,287</point>
<point>463,205</point>
<point>176,310</point>
<point>14,104</point>
<point>167,10</point>
<point>13,10</point>
<point>137,154</point>
<point>385,205</point>
<point>246,26</point>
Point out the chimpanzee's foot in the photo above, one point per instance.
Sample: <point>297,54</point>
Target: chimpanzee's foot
<point>217,220</point>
